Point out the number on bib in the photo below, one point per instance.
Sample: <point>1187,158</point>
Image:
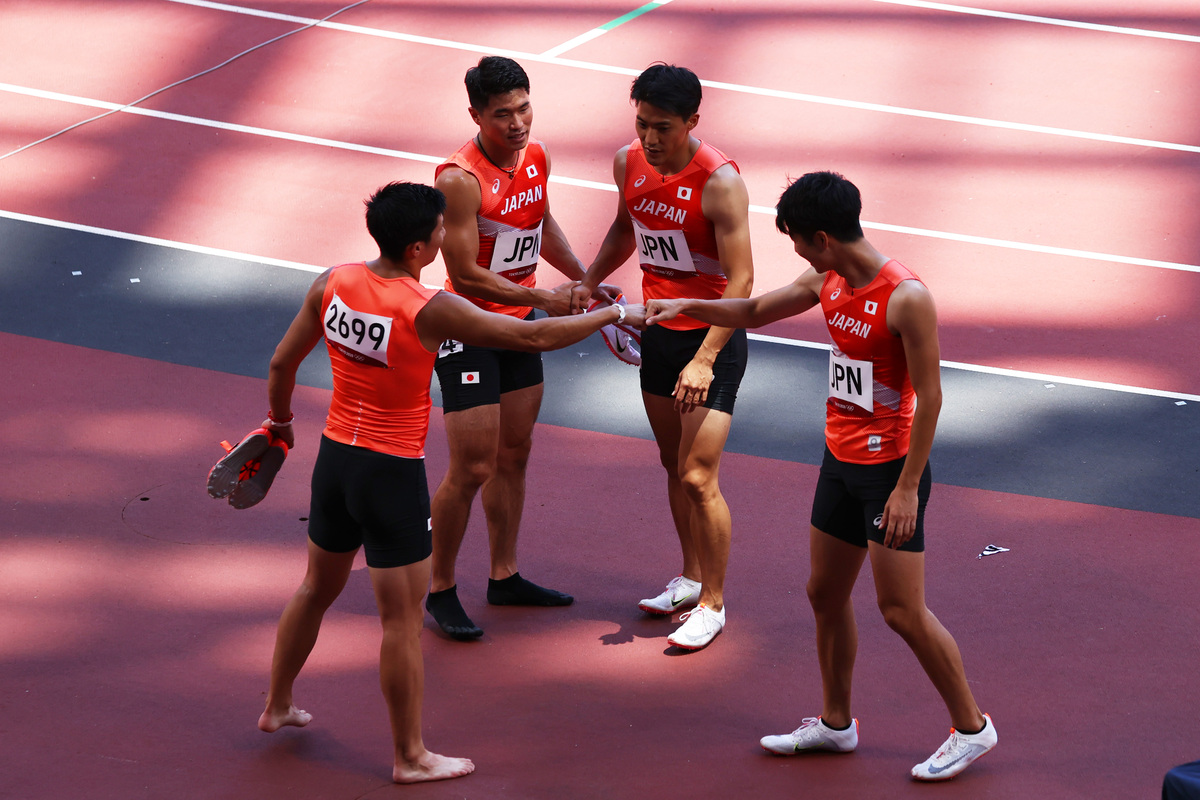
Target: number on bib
<point>359,336</point>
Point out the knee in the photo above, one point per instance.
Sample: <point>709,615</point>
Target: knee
<point>471,474</point>
<point>823,599</point>
<point>902,618</point>
<point>699,484</point>
<point>514,458</point>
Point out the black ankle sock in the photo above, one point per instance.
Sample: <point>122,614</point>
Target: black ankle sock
<point>515,590</point>
<point>972,733</point>
<point>827,725</point>
<point>448,612</point>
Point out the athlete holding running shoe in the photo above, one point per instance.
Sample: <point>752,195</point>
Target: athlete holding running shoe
<point>884,399</point>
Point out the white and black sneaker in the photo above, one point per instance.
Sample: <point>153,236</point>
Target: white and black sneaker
<point>681,592</point>
<point>957,753</point>
<point>812,736</point>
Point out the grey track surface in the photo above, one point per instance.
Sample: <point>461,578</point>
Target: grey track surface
<point>998,433</point>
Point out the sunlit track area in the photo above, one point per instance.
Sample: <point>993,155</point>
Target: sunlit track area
<point>174,174</point>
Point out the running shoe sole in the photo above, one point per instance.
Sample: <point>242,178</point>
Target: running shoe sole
<point>224,476</point>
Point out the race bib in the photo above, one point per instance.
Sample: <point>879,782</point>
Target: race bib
<point>516,249</point>
<point>357,335</point>
<point>663,252</point>
<point>851,380</point>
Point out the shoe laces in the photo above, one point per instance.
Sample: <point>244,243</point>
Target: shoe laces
<point>807,730</point>
<point>951,747</point>
<point>707,617</point>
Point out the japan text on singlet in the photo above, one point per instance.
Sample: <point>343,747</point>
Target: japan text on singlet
<point>381,370</point>
<point>868,416</point>
<point>676,245</point>
<point>510,216</point>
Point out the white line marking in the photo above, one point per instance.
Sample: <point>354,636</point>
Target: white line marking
<point>761,337</point>
<point>134,237</point>
<point>1065,23</point>
<point>732,87</point>
<point>578,182</point>
<point>583,38</point>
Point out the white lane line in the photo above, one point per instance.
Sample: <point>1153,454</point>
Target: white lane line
<point>761,337</point>
<point>134,237</point>
<point>578,182</point>
<point>732,87</point>
<point>1007,373</point>
<point>1065,23</point>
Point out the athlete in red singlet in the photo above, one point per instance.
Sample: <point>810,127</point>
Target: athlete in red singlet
<point>498,224</point>
<point>683,208</point>
<point>884,399</point>
<point>383,329</point>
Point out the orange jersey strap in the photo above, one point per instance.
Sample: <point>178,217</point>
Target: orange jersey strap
<point>381,371</point>
<point>510,216</point>
<point>676,244</point>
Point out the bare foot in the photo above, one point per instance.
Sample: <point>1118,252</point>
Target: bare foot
<point>271,721</point>
<point>432,767</point>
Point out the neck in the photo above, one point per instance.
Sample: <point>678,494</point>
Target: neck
<point>386,268</point>
<point>861,263</point>
<point>679,162</point>
<point>506,160</point>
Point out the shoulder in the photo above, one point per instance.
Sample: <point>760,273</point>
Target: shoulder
<point>725,193</point>
<point>911,307</point>
<point>460,187</point>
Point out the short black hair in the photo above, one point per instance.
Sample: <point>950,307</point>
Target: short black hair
<point>493,75</point>
<point>401,214</point>
<point>671,88</point>
<point>820,201</point>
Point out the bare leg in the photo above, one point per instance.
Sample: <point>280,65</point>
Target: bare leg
<point>900,589</point>
<point>668,430</point>
<point>504,491</point>
<point>473,438</point>
<point>704,432</point>
<point>298,629</point>
<point>398,593</point>
<point>835,568</point>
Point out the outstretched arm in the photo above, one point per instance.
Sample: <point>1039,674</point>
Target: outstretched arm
<point>753,312</point>
<point>301,337</point>
<point>912,316</point>
<point>448,316</point>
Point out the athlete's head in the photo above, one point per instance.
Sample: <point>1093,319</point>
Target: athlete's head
<point>499,93</point>
<point>494,75</point>
<point>403,214</point>
<point>668,87</point>
<point>820,201</point>
<point>667,99</point>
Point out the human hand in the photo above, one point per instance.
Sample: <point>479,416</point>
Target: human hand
<point>661,310</point>
<point>691,389</point>
<point>635,317</point>
<point>283,432</point>
<point>899,518</point>
<point>580,296</point>
<point>559,301</point>
<point>606,292</point>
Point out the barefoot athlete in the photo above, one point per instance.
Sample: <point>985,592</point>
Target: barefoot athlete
<point>498,224</point>
<point>885,395</point>
<point>684,208</point>
<point>382,329</point>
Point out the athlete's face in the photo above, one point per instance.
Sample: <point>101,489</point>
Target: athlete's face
<point>506,120</point>
<point>813,252</point>
<point>430,251</point>
<point>665,136</point>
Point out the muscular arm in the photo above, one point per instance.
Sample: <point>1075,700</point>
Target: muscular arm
<point>460,250</point>
<point>912,316</point>
<point>753,312</point>
<point>726,204</point>
<point>448,316</point>
<point>301,337</point>
<point>555,247</point>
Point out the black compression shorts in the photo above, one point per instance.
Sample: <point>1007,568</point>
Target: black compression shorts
<point>472,376</point>
<point>666,352</point>
<point>374,500</point>
<point>849,500</point>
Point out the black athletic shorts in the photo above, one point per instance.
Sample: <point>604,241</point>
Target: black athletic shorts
<point>476,376</point>
<point>666,352</point>
<point>374,500</point>
<point>849,500</point>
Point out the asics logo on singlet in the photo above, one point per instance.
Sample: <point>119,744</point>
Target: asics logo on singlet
<point>641,179</point>
<point>835,294</point>
<point>496,187</point>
